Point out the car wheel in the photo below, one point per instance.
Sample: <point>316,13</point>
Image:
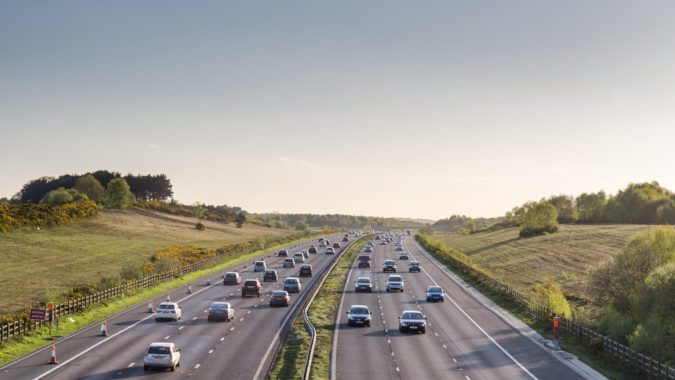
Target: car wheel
<point>401,290</point>
<point>423,331</point>
<point>173,368</point>
<point>145,368</point>
<point>156,319</point>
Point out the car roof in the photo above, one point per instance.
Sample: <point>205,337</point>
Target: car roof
<point>220,303</point>
<point>353,306</point>
<point>412,311</point>
<point>169,303</point>
<point>161,344</point>
<point>292,278</point>
<point>363,278</point>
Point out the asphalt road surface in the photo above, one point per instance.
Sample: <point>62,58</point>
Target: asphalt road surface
<point>240,349</point>
<point>463,341</point>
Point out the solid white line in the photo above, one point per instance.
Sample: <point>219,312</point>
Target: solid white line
<point>502,349</point>
<point>333,354</point>
<point>166,337</point>
<point>194,318</point>
<point>197,366</point>
<point>131,365</point>
<point>63,363</point>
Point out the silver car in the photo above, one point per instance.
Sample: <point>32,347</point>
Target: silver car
<point>395,283</point>
<point>161,355</point>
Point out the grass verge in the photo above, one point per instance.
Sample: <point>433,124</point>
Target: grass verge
<point>18,347</point>
<point>570,344</point>
<point>291,360</point>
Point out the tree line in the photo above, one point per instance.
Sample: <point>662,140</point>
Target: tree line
<point>303,221</point>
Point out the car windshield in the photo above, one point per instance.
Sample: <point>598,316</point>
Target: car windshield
<point>435,290</point>
<point>364,258</point>
<point>219,306</point>
<point>166,307</point>
<point>412,315</point>
<point>358,310</point>
<point>395,279</point>
<point>231,275</point>
<point>279,294</point>
<point>159,350</point>
<point>291,281</point>
<point>363,281</point>
<point>388,262</point>
<point>414,264</point>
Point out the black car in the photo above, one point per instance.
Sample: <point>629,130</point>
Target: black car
<point>270,276</point>
<point>231,278</point>
<point>280,298</point>
<point>364,261</point>
<point>412,321</point>
<point>345,239</point>
<point>283,253</point>
<point>358,315</point>
<point>305,270</point>
<point>389,266</point>
<point>363,284</point>
<point>312,249</point>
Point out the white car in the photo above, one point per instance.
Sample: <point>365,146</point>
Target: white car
<point>299,257</point>
<point>168,310</point>
<point>330,251</point>
<point>395,282</point>
<point>161,355</point>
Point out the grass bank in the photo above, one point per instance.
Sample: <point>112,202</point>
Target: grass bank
<point>291,360</point>
<point>17,347</point>
<point>38,265</point>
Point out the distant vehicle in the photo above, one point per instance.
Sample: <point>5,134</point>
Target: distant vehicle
<point>337,245</point>
<point>368,248</point>
<point>327,242</point>
<point>231,278</point>
<point>252,287</point>
<point>259,266</point>
<point>220,311</point>
<point>364,261</point>
<point>363,284</point>
<point>322,243</point>
<point>283,253</point>
<point>322,239</point>
<point>312,249</point>
<point>161,355</point>
<point>168,310</point>
<point>414,266</point>
<point>399,248</point>
<point>377,237</point>
<point>345,239</point>
<point>280,298</point>
<point>358,315</point>
<point>270,275</point>
<point>288,263</point>
<point>292,285</point>
<point>299,258</point>
<point>305,270</point>
<point>403,256</point>
<point>394,283</point>
<point>305,253</point>
<point>330,251</point>
<point>389,266</point>
<point>412,321</point>
<point>383,242</point>
<point>435,294</point>
<point>408,232</point>
<point>370,243</point>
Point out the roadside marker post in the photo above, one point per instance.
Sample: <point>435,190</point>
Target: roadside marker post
<point>50,307</point>
<point>556,333</point>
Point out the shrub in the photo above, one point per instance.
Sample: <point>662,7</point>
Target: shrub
<point>551,296</point>
<point>537,218</point>
<point>200,226</point>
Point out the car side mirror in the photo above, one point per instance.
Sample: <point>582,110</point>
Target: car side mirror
<point>399,317</point>
<point>425,318</point>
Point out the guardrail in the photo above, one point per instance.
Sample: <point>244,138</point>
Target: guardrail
<point>24,326</point>
<point>621,353</point>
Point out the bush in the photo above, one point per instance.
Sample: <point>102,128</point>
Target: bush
<point>551,296</point>
<point>131,271</point>
<point>537,218</point>
<point>200,226</point>
<point>43,215</point>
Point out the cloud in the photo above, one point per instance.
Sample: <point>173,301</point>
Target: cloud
<point>282,162</point>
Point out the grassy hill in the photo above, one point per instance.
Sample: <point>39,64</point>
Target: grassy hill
<point>38,264</point>
<point>564,256</point>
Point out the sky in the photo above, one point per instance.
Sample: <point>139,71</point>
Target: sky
<point>386,108</point>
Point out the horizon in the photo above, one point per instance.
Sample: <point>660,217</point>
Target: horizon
<point>382,109</point>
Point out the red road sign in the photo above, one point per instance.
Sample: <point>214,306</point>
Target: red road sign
<point>39,314</point>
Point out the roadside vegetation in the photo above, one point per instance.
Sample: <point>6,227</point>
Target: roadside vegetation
<point>291,360</point>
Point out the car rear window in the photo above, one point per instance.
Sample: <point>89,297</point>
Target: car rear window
<point>167,307</point>
<point>159,350</point>
<point>279,294</point>
<point>364,258</point>
<point>250,282</point>
<point>412,315</point>
<point>395,278</point>
<point>220,306</point>
<point>388,262</point>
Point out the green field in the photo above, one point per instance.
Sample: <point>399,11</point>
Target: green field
<point>39,264</point>
<point>564,256</point>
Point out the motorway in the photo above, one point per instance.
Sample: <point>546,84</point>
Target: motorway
<point>464,340</point>
<point>240,349</point>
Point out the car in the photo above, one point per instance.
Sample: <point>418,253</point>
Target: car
<point>337,245</point>
<point>398,248</point>
<point>364,261</point>
<point>270,275</point>
<point>378,237</point>
<point>414,266</point>
<point>280,298</point>
<point>312,249</point>
<point>412,321</point>
<point>231,278</point>
<point>435,294</point>
<point>259,266</point>
<point>358,315</point>
<point>322,239</point>
<point>403,256</point>
<point>292,285</point>
<point>389,266</point>
<point>327,242</point>
<point>288,263</point>
<point>322,243</point>
<point>299,258</point>
<point>395,282</point>
<point>368,249</point>
<point>305,270</point>
<point>168,310</point>
<point>345,239</point>
<point>161,355</point>
<point>371,243</point>
<point>383,242</point>
<point>363,284</point>
<point>330,251</point>
<point>251,286</point>
<point>305,253</point>
<point>283,253</point>
<point>220,311</point>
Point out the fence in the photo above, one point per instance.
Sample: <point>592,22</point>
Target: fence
<point>24,326</point>
<point>616,351</point>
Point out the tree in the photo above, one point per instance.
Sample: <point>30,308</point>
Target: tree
<point>118,195</point>
<point>150,187</point>
<point>61,196</point>
<point>88,184</point>
<point>105,176</point>
<point>591,207</point>
<point>632,205</point>
<point>537,218</point>
<point>301,225</point>
<point>566,207</point>
<point>240,219</point>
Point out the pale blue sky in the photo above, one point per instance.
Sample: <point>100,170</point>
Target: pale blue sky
<point>392,108</point>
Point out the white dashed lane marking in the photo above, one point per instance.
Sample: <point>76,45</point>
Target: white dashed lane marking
<point>210,351</point>
<point>222,339</point>
<point>166,337</point>
<point>131,365</point>
<point>180,328</point>
<point>197,366</point>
